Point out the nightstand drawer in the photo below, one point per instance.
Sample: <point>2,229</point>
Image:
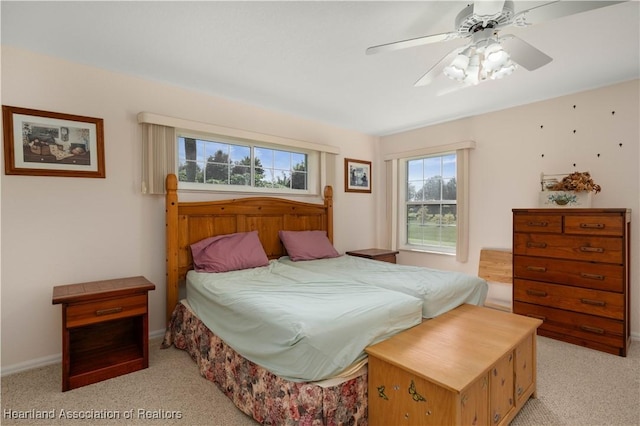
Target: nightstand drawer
<point>105,310</point>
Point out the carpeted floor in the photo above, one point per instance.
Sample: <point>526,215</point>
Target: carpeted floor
<point>576,386</point>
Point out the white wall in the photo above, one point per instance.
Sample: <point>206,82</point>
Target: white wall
<point>505,167</point>
<point>66,230</point>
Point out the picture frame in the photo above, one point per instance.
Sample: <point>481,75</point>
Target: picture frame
<point>357,175</point>
<point>44,143</point>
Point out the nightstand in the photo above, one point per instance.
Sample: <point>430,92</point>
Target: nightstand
<point>105,331</point>
<point>382,255</point>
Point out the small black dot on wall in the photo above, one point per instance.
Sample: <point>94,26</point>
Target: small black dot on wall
<point>613,113</point>
<point>574,131</point>
<point>542,155</point>
<point>541,126</point>
<point>574,164</point>
<point>598,155</point>
<point>574,107</point>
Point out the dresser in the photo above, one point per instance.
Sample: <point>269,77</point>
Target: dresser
<point>469,366</point>
<point>571,269</point>
<point>104,329</point>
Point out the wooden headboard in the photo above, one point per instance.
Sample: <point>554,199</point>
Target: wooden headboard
<point>189,222</point>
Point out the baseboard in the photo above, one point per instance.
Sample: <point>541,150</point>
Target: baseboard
<point>51,359</point>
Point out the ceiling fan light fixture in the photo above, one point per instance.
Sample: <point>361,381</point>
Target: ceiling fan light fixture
<point>474,70</point>
<point>485,59</point>
<point>506,70</point>
<point>457,69</point>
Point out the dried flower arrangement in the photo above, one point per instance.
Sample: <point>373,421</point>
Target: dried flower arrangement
<point>576,181</point>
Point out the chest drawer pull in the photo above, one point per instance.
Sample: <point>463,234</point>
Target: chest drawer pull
<point>536,268</point>
<point>592,249</point>
<point>593,302</point>
<point>540,293</point>
<point>532,223</point>
<point>596,330</point>
<point>592,276</point>
<point>531,244</point>
<point>109,311</point>
<point>592,225</point>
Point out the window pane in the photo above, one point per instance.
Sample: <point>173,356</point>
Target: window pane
<point>221,163</point>
<point>449,166</point>
<point>432,167</point>
<point>265,156</point>
<point>415,170</point>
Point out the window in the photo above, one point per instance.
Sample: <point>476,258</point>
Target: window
<point>429,198</point>
<point>218,162</point>
<point>210,157</point>
<point>430,208</point>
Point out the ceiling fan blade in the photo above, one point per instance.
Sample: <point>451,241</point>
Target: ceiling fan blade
<point>413,42</point>
<point>453,89</point>
<point>557,9</point>
<point>524,54</point>
<point>437,69</point>
<point>487,8</point>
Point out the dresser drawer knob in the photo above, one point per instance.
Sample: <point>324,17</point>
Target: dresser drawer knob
<point>592,276</point>
<point>596,330</point>
<point>593,302</point>
<point>531,223</point>
<point>531,244</point>
<point>539,293</point>
<point>592,225</point>
<point>536,268</point>
<point>109,311</point>
<point>592,249</point>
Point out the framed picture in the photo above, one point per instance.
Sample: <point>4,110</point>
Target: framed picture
<point>357,175</point>
<point>42,143</point>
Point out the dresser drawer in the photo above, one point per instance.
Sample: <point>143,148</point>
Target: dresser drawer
<point>594,225</point>
<point>537,223</point>
<point>105,310</point>
<point>592,249</point>
<point>604,331</point>
<point>597,276</point>
<point>591,302</point>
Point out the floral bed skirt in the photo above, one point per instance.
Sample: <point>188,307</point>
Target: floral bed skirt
<point>269,399</point>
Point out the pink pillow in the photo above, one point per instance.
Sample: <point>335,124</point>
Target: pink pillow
<point>229,252</point>
<point>307,245</point>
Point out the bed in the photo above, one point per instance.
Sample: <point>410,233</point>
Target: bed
<point>440,291</point>
<point>332,393</point>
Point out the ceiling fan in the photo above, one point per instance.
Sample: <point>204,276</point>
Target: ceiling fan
<point>489,55</point>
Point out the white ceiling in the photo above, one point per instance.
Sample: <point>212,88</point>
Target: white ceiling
<point>308,58</point>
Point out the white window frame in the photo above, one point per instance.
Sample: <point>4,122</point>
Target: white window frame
<point>402,196</point>
<point>313,167</point>
<point>397,180</point>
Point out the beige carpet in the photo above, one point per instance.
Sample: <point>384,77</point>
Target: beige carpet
<point>576,386</point>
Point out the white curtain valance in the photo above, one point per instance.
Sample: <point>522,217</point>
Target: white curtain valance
<point>431,150</point>
<point>197,126</point>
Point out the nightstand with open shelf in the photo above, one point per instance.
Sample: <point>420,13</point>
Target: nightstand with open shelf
<point>105,330</point>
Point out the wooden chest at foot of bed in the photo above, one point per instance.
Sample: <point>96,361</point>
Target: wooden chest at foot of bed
<point>472,365</point>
